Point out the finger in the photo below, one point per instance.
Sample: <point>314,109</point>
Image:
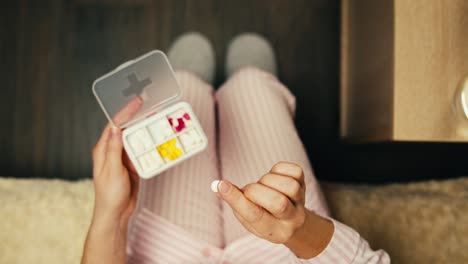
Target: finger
<point>285,185</point>
<point>114,149</point>
<point>128,163</point>
<point>289,169</point>
<point>99,151</point>
<point>250,212</point>
<point>128,111</point>
<point>135,186</point>
<point>121,117</point>
<point>273,201</point>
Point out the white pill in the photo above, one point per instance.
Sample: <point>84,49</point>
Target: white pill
<point>144,163</point>
<point>214,186</point>
<point>140,141</point>
<point>161,130</point>
<point>156,159</point>
<point>150,161</point>
<point>190,140</point>
<point>195,136</point>
<point>145,137</point>
<point>135,143</point>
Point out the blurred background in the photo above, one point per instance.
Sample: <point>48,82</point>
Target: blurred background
<point>52,50</point>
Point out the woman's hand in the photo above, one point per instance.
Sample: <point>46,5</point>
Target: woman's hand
<point>116,191</point>
<point>273,209</point>
<point>115,178</point>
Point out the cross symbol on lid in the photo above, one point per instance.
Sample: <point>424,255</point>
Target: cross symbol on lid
<point>136,86</point>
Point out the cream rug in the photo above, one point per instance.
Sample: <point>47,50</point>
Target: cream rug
<point>45,221</point>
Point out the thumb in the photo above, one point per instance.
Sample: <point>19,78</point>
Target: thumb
<point>236,199</point>
<point>227,191</point>
<point>114,148</point>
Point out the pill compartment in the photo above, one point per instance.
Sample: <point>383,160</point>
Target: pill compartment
<point>161,130</point>
<point>143,98</point>
<point>191,140</point>
<point>155,145</point>
<point>140,141</point>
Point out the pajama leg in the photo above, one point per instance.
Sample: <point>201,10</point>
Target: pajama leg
<point>256,130</point>
<point>182,194</point>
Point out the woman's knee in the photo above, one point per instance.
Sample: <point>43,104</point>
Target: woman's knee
<point>193,87</point>
<point>246,77</point>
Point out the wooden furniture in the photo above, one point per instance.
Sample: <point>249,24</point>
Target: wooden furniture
<point>402,61</point>
<point>52,51</point>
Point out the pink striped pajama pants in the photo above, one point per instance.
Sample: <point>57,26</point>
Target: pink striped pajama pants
<point>179,219</point>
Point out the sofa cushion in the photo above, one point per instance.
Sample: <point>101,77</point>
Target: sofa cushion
<point>425,222</point>
<point>45,221</point>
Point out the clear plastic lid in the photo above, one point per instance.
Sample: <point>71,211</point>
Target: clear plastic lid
<point>137,89</point>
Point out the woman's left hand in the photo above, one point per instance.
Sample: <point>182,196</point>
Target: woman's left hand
<point>116,190</point>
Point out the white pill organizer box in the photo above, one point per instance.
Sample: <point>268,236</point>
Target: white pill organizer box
<point>142,97</point>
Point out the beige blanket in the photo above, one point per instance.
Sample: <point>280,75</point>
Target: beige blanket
<point>45,221</point>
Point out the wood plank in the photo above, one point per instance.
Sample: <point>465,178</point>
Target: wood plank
<point>8,50</point>
<point>57,48</point>
<point>431,58</point>
<point>101,38</point>
<point>35,65</point>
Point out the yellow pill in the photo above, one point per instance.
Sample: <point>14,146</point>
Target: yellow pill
<point>169,150</point>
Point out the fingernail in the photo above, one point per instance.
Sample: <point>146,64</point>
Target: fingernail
<point>139,100</point>
<point>214,186</point>
<point>114,131</point>
<point>224,187</point>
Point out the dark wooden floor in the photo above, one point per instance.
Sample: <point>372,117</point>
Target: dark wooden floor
<point>52,50</point>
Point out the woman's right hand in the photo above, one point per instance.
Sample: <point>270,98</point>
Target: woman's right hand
<point>273,208</point>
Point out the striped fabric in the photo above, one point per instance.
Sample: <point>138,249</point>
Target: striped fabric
<point>178,218</point>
